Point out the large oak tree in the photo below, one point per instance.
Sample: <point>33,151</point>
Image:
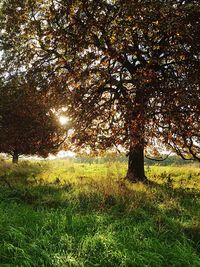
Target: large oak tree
<point>127,70</point>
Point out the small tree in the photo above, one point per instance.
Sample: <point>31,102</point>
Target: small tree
<point>27,124</point>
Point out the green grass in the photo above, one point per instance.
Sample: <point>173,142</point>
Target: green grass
<point>71,214</point>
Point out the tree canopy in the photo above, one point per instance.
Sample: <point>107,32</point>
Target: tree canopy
<point>127,71</point>
<point>27,124</point>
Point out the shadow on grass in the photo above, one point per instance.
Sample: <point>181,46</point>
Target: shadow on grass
<point>70,225</point>
<point>64,237</point>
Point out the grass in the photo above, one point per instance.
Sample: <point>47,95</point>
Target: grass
<point>61,213</point>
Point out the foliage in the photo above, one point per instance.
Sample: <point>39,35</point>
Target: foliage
<point>128,71</point>
<point>27,124</point>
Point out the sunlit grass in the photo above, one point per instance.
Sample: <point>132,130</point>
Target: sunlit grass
<point>61,213</point>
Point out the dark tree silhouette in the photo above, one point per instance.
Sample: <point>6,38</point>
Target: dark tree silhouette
<point>27,124</point>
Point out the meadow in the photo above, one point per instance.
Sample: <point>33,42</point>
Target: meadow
<point>63,213</point>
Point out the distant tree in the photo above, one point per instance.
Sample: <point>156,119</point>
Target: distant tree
<point>128,70</point>
<point>27,124</point>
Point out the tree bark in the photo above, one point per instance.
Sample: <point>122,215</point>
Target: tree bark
<point>136,171</point>
<point>15,158</point>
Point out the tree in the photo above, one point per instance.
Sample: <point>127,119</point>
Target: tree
<point>129,70</point>
<point>27,124</point>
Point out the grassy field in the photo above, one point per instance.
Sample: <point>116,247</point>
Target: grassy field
<point>60,213</point>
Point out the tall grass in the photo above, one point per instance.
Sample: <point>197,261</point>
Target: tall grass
<point>71,214</point>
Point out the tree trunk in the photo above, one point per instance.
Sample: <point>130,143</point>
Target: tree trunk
<point>15,158</point>
<point>135,171</point>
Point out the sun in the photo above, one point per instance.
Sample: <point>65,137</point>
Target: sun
<point>63,120</point>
